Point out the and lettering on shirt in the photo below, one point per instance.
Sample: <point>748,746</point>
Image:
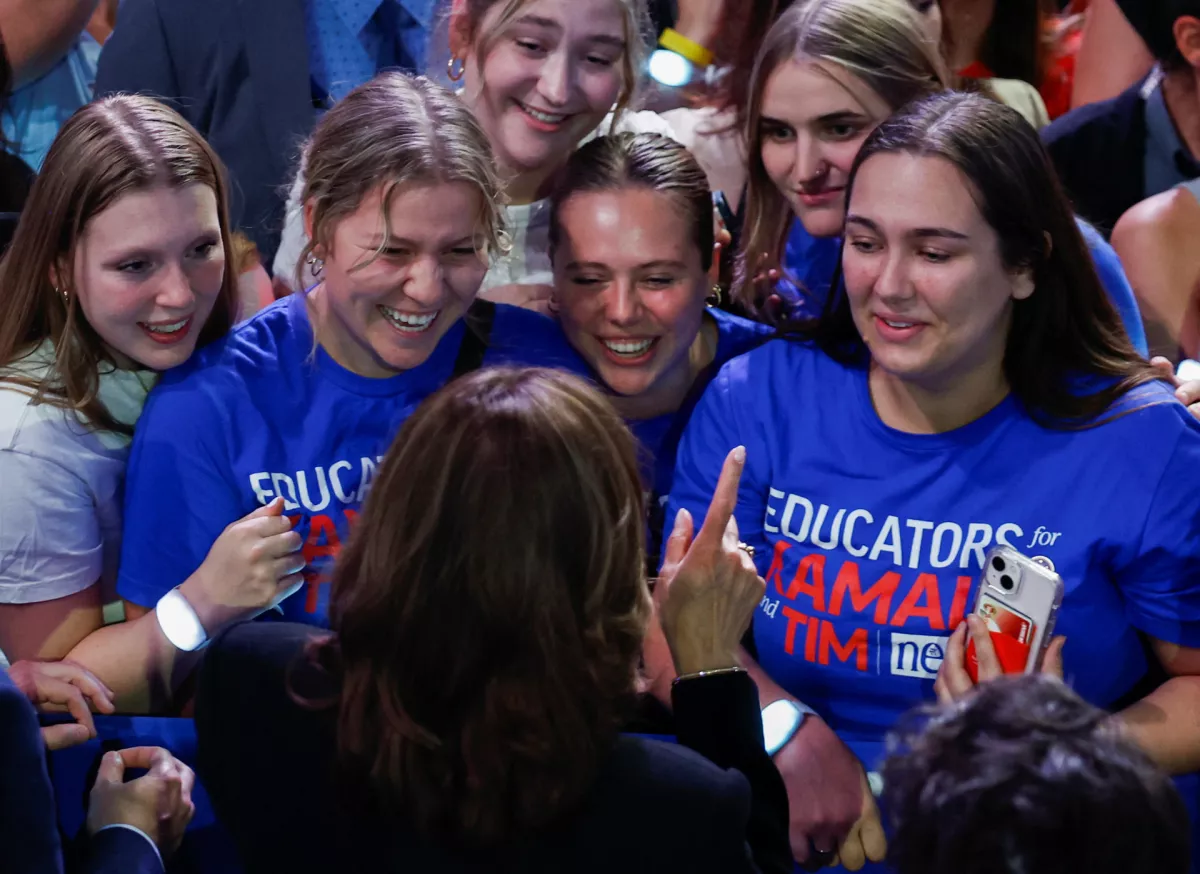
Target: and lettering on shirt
<point>871,540</point>
<point>262,413</point>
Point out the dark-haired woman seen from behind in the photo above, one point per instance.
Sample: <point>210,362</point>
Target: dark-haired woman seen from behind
<point>487,615</point>
<point>971,385</point>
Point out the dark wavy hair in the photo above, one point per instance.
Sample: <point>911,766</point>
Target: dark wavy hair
<point>1067,357</point>
<point>488,610</point>
<point>1024,776</point>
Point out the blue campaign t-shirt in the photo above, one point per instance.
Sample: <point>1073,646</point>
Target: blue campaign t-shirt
<point>658,438</point>
<point>265,413</point>
<point>872,540</point>
<point>809,263</point>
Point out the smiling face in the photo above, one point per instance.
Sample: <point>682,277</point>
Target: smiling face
<point>382,314</point>
<point>630,286</point>
<point>148,271</point>
<point>815,116</point>
<point>930,293</point>
<point>548,79</point>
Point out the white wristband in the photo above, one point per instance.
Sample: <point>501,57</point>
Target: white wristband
<point>179,622</point>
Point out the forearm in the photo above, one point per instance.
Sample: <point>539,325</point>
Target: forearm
<point>38,33</point>
<point>135,660</point>
<point>700,20</point>
<point>1166,724</point>
<point>768,689</point>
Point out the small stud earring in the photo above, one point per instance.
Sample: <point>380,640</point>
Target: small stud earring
<point>62,291</point>
<point>455,68</point>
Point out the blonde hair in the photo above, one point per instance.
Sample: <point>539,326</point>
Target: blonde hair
<point>106,150</point>
<point>395,131</point>
<point>636,25</point>
<point>881,42</point>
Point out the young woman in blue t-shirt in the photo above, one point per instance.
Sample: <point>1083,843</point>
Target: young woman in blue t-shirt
<point>298,403</point>
<point>828,72</point>
<point>631,238</point>
<point>971,385</point>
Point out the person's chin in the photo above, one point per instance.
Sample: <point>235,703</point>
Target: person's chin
<point>821,222</point>
<point>151,357</point>
<point>628,382</point>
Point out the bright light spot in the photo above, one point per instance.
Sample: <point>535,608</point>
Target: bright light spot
<point>670,69</point>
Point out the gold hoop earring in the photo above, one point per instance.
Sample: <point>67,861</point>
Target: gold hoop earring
<point>714,299</point>
<point>456,72</point>
<point>63,292</point>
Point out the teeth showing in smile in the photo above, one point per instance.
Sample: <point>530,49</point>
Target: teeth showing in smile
<point>544,117</point>
<point>630,348</point>
<point>892,324</point>
<point>411,322</point>
<point>166,329</point>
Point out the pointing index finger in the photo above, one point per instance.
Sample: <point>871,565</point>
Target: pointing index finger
<point>724,499</point>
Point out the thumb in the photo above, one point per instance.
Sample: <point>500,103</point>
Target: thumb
<point>1052,663</point>
<point>680,539</point>
<point>275,508</point>
<point>112,768</point>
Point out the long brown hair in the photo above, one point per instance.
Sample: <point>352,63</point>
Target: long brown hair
<point>489,607</point>
<point>1067,357</point>
<point>883,43</point>
<point>107,149</point>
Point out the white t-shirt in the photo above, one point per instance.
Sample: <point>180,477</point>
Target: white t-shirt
<point>61,486</point>
<point>716,141</point>
<point>528,260</point>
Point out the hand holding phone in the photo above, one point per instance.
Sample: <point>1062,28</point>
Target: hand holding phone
<point>1010,628</point>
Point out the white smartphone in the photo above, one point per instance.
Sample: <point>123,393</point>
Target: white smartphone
<point>1018,600</point>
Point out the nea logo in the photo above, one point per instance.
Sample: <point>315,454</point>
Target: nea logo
<point>917,655</point>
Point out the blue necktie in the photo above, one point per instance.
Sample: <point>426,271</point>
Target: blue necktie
<point>387,20</point>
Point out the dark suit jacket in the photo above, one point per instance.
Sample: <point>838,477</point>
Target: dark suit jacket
<point>1099,152</point>
<point>29,839</point>
<point>267,765</point>
<point>238,71</point>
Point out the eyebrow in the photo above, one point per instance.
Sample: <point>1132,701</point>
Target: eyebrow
<point>551,24</point>
<point>378,241</point>
<point>918,233</point>
<point>829,118</point>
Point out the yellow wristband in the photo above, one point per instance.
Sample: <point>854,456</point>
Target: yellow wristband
<point>674,41</point>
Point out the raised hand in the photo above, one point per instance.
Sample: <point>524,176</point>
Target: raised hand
<point>708,587</point>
